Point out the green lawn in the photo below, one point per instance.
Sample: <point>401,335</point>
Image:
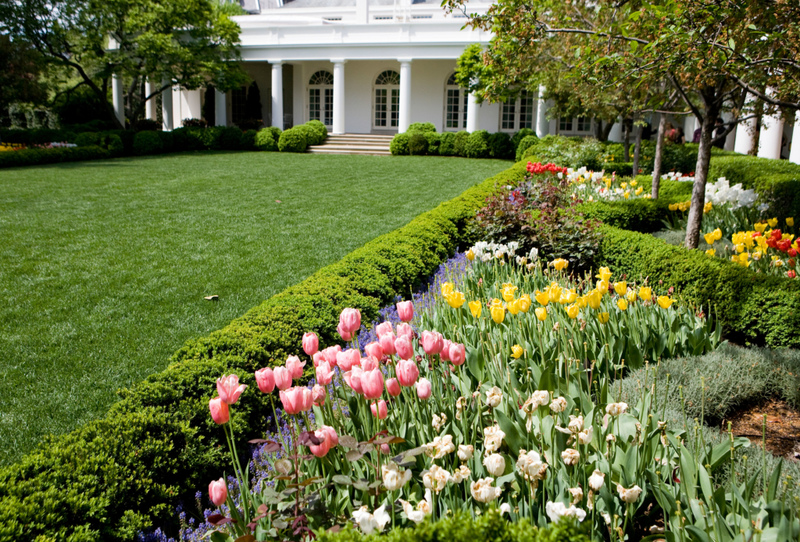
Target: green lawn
<point>104,265</point>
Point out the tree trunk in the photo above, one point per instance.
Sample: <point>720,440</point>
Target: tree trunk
<point>637,150</point>
<point>658,158</point>
<point>700,177</point>
<point>626,142</point>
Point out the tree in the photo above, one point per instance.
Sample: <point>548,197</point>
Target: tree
<point>20,67</point>
<point>712,53</point>
<point>189,43</point>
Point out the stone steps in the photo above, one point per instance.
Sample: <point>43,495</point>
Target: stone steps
<point>354,144</point>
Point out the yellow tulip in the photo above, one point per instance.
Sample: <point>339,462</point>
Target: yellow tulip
<point>665,302</point>
<point>623,185</point>
<point>639,191</point>
<point>739,248</point>
<point>627,194</point>
<point>602,287</point>
<point>475,308</point>
<point>495,301</point>
<point>631,296</point>
<point>498,313</point>
<point>717,234</point>
<point>673,206</point>
<point>573,310</point>
<point>790,221</point>
<point>582,302</point>
<point>524,302</point>
<point>633,183</point>
<point>541,313</point>
<point>542,297</point>
<point>603,274</point>
<point>567,296</point>
<point>760,226</point>
<point>772,222</point>
<point>593,298</point>
<point>709,237</point>
<point>603,317</point>
<point>554,291</point>
<point>508,293</point>
<point>646,293</point>
<point>513,307</point>
<point>621,287</point>
<point>516,351</point>
<point>711,252</point>
<point>559,264</point>
<point>470,255</point>
<point>707,207</point>
<point>622,304</point>
<point>447,288</point>
<point>455,299</point>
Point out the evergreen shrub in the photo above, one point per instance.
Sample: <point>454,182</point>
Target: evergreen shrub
<point>417,144</point>
<point>146,143</point>
<point>265,140</point>
<point>230,138</point>
<point>422,127</point>
<point>524,144</point>
<point>399,144</point>
<point>293,140</point>
<point>477,145</point>
<point>434,139</point>
<point>447,144</point>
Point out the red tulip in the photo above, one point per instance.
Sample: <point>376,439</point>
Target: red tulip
<point>318,395</point>
<point>297,399</point>
<point>387,344</point>
<point>424,388</point>
<point>331,353</point>
<point>219,410</point>
<point>353,378</point>
<point>295,366</point>
<point>329,440</point>
<point>318,358</point>
<point>347,359</point>
<point>343,333</point>
<point>432,342</point>
<point>374,349</point>
<point>324,373</point>
<point>445,353</point>
<point>458,353</point>
<point>405,330</point>
<point>350,320</point>
<point>383,328</point>
<point>369,363</point>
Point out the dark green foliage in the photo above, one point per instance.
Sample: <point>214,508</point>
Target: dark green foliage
<point>447,144</point>
<point>574,152</point>
<point>87,139</point>
<point>34,157</point>
<point>500,146</point>
<point>422,127</point>
<point>143,125</point>
<point>230,138</point>
<point>276,132</point>
<point>147,143</point>
<point>490,527</point>
<point>81,105</point>
<point>399,144</point>
<point>640,215</point>
<point>755,308</point>
<point>158,444</point>
<point>434,139</point>
<point>167,141</point>
<point>621,169</point>
<point>524,144</point>
<point>477,145</point>
<point>115,145</point>
<point>320,130</point>
<point>293,140</point>
<point>249,140</point>
<point>187,139</point>
<point>417,144</point>
<point>519,136</point>
<point>460,143</point>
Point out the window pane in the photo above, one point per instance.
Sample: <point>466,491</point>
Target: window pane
<point>507,118</point>
<point>395,107</point>
<point>453,103</point>
<point>564,124</point>
<point>328,120</point>
<point>525,110</point>
<point>313,104</point>
<point>380,107</point>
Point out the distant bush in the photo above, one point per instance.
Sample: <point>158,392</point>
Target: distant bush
<point>194,123</point>
<point>519,136</point>
<point>146,125</point>
<point>447,144</point>
<point>460,142</point>
<point>477,145</point>
<point>417,144</point>
<point>524,144</point>
<point>265,140</point>
<point>320,130</point>
<point>147,143</point>
<point>87,139</point>
<point>230,138</point>
<point>311,135</point>
<point>422,127</point>
<point>38,157</point>
<point>434,139</point>
<point>500,146</point>
<point>399,144</point>
<point>167,141</point>
<point>187,139</point>
<point>293,140</point>
<point>249,140</point>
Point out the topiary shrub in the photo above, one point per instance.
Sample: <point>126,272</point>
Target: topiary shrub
<point>422,127</point>
<point>230,138</point>
<point>293,140</point>
<point>311,135</point>
<point>249,140</point>
<point>167,141</point>
<point>399,144</point>
<point>434,139</point>
<point>147,143</point>
<point>87,139</point>
<point>447,144</point>
<point>525,143</point>
<point>38,157</point>
<point>500,146</point>
<point>194,123</point>
<point>460,142</point>
<point>265,141</point>
<point>519,136</point>
<point>276,132</point>
<point>146,125</point>
<point>320,130</point>
<point>417,144</point>
<point>477,145</point>
<point>114,145</point>
<point>187,139</point>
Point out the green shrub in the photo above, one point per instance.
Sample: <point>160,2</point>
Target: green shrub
<point>147,143</point>
<point>572,152</point>
<point>249,140</point>
<point>276,132</point>
<point>417,144</point>
<point>320,130</point>
<point>621,169</point>
<point>167,141</point>
<point>460,143</point>
<point>310,134</point>
<point>519,136</point>
<point>114,145</point>
<point>477,145</point>
<point>158,445</point>
<point>88,139</point>
<point>38,157</point>
<point>293,140</point>
<point>399,144</point>
<point>524,144</point>
<point>230,138</point>
<point>187,139</point>
<point>434,140</point>
<point>422,127</point>
<point>500,146</point>
<point>447,144</point>
<point>210,137</point>
<point>265,141</point>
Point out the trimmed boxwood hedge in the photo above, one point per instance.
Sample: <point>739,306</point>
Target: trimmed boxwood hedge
<point>37,157</point>
<point>158,444</point>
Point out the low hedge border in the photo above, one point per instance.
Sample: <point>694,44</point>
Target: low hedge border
<point>158,444</point>
<point>30,157</point>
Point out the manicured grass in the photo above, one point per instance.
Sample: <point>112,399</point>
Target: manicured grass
<point>104,265</point>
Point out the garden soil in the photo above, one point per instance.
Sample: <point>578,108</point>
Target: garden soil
<point>783,427</point>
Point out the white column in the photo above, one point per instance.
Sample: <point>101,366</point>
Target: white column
<point>338,96</point>
<point>794,152</point>
<point>177,107</point>
<point>745,131</point>
<point>472,113</point>
<point>689,126</point>
<point>166,109</point>
<point>193,102</point>
<point>150,105</point>
<point>362,11</point>
<point>615,134</point>
<point>277,94</point>
<point>117,98</point>
<point>542,124</point>
<point>405,95</point>
<point>730,140</point>
<point>769,142</point>
<point>220,109</point>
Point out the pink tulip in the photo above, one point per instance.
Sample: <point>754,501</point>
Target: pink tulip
<point>219,410</point>
<point>330,354</point>
<point>404,347</point>
<point>374,349</point>
<point>405,309</point>
<point>432,342</point>
<point>229,388</point>
<point>324,374</point>
<point>384,328</point>
<point>295,366</point>
<point>458,353</point>
<point>318,358</point>
<point>405,330</point>
<point>407,372</point>
<point>369,363</point>
<point>379,410</point>
<point>350,320</point>
<point>353,378</point>
<point>372,384</point>
<point>393,387</point>
<point>218,492</point>
<point>265,380</point>
<point>387,344</point>
<point>318,395</point>
<point>329,440</point>
<point>385,450</point>
<point>297,399</point>
<point>310,343</point>
<point>424,388</point>
<point>283,378</point>
<point>347,359</point>
<point>445,353</point>
<point>343,333</point>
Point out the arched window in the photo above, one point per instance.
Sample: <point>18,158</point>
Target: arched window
<point>518,114</point>
<point>455,106</point>
<point>320,97</point>
<point>387,100</point>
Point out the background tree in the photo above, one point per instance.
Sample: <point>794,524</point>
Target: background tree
<point>168,42</point>
<point>20,68</point>
<point>710,52</point>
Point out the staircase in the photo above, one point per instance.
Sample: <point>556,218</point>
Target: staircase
<point>354,144</point>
